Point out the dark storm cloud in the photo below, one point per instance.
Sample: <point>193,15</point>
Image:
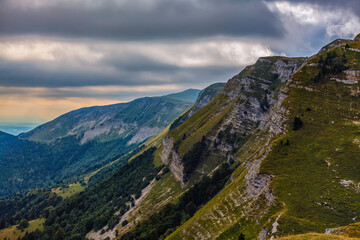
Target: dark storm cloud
<point>135,20</point>
<point>138,63</point>
<point>29,74</point>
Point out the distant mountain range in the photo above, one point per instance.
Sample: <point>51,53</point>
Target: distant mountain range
<point>135,120</point>
<point>17,128</point>
<point>83,140</point>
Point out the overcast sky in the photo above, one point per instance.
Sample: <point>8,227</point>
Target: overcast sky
<point>59,55</point>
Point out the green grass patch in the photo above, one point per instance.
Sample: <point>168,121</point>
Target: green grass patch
<point>166,190</point>
<point>198,125</point>
<point>12,233</point>
<point>69,190</point>
<point>321,154</point>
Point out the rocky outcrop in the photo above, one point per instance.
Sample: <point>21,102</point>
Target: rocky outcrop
<point>334,44</point>
<point>255,101</point>
<point>171,158</point>
<point>256,98</point>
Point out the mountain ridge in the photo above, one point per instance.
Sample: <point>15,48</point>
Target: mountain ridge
<point>92,122</point>
<point>266,206</point>
<point>81,141</point>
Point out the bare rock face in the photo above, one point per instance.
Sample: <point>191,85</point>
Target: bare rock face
<point>255,96</point>
<point>170,157</point>
<point>255,100</point>
<point>259,100</point>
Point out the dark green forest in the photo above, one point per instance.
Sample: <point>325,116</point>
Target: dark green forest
<point>102,204</point>
<point>30,206</point>
<point>26,165</point>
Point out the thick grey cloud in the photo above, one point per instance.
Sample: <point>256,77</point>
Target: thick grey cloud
<point>34,62</point>
<point>311,24</point>
<point>29,74</point>
<point>138,63</point>
<point>64,54</point>
<point>139,20</point>
<point>120,20</point>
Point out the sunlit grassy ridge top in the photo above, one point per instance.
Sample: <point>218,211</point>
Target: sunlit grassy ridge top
<point>311,173</point>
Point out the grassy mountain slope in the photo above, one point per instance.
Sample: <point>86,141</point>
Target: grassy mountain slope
<point>316,176</point>
<point>228,121</point>
<point>159,195</point>
<point>205,96</point>
<point>13,233</point>
<point>316,236</point>
<point>220,122</point>
<point>167,189</point>
<point>310,184</point>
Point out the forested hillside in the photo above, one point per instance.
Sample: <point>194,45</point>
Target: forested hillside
<point>82,141</point>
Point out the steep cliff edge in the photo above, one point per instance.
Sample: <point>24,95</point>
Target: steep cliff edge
<point>249,103</point>
<point>254,115</point>
<point>304,180</point>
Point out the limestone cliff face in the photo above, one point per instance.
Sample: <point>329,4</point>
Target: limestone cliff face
<point>257,115</point>
<point>172,159</point>
<point>251,102</point>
